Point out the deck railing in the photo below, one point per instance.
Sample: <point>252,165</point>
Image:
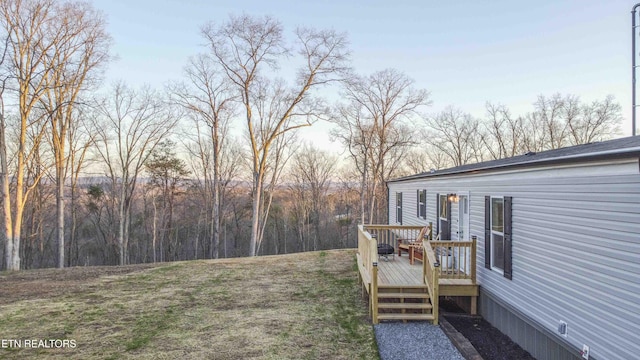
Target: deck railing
<point>388,234</point>
<point>457,259</point>
<point>367,248</point>
<point>431,276</point>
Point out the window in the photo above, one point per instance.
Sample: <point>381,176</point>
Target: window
<point>399,208</point>
<point>497,235</point>
<point>443,206</point>
<point>443,220</point>
<point>422,204</point>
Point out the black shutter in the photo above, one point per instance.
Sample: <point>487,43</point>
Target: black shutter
<point>424,205</point>
<point>417,203</point>
<point>396,207</point>
<point>400,205</point>
<point>507,238</point>
<point>438,215</point>
<point>487,232</point>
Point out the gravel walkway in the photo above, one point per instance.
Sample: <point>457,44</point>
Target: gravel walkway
<point>414,341</point>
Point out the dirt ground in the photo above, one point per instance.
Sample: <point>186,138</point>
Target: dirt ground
<point>490,343</point>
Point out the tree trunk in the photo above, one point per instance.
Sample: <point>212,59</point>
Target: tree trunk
<point>6,199</point>
<point>122,218</point>
<point>216,191</point>
<point>74,249</point>
<point>155,227</point>
<point>60,215</point>
<point>255,213</point>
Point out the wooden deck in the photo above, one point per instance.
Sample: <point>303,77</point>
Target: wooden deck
<point>398,271</point>
<point>447,268</point>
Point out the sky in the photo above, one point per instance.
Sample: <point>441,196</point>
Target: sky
<point>464,53</point>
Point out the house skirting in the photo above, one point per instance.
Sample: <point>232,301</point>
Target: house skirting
<point>530,335</point>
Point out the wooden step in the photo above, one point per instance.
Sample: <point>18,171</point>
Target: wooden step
<point>403,295</point>
<point>421,317</point>
<point>399,287</point>
<point>408,306</point>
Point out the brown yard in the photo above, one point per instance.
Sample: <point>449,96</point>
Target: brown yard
<point>279,307</point>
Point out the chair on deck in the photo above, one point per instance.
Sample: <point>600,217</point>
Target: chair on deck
<point>408,244</point>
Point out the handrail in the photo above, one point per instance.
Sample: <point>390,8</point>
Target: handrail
<point>431,274</point>
<point>392,234</point>
<point>382,226</point>
<point>457,259</point>
<point>368,248</point>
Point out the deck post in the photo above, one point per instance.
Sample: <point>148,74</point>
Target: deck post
<point>435,296</point>
<point>430,230</point>
<point>474,239</point>
<point>474,299</point>
<point>374,293</point>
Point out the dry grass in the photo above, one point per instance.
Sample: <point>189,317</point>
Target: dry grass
<point>302,306</point>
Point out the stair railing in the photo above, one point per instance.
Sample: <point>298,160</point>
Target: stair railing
<point>368,249</point>
<point>431,274</point>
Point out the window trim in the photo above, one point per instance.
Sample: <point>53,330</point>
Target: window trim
<point>507,230</point>
<point>399,208</point>
<point>422,204</point>
<point>495,267</point>
<point>442,206</point>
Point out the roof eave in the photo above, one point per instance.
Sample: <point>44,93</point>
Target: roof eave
<point>596,156</point>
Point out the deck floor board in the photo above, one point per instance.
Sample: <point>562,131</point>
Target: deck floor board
<point>398,271</point>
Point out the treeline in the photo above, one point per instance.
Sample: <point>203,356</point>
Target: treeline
<point>95,176</point>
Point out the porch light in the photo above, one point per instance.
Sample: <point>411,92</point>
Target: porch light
<point>453,198</point>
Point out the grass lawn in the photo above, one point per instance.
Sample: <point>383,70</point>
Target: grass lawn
<point>300,306</point>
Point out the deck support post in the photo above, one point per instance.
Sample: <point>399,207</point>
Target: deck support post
<point>474,305</point>
<point>374,293</point>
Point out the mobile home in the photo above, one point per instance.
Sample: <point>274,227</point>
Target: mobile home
<point>558,232</point>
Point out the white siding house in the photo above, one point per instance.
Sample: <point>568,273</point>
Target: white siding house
<point>558,242</point>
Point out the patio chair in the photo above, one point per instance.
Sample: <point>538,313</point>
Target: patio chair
<point>407,244</point>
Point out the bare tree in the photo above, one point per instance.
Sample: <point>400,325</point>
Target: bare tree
<point>80,139</point>
<point>310,178</point>
<point>246,47</point>
<point>356,133</point>
<point>555,122</point>
<point>453,132</point>
<point>4,166</point>
<point>595,121</point>
<point>23,24</point>
<point>282,149</point>
<point>134,124</point>
<point>207,98</point>
<point>504,134</point>
<point>549,113</point>
<point>79,46</point>
<point>375,126</point>
<point>417,161</point>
